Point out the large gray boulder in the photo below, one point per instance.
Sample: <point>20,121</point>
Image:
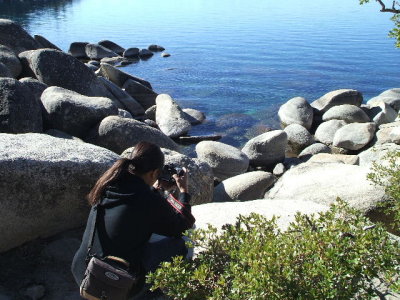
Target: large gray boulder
<point>131,53</point>
<point>56,68</point>
<point>73,113</point>
<point>143,95</point>
<point>296,111</point>
<point>45,43</point>
<point>391,97</point>
<point>388,133</point>
<point>10,60</point>
<point>118,77</point>
<point>97,52</point>
<point>20,110</point>
<point>170,118</point>
<point>219,214</point>
<point>354,136</point>
<point>298,139</point>
<point>314,149</point>
<point>13,36</point>
<point>267,149</point>
<point>337,97</point>
<point>346,112</point>
<point>24,58</point>
<point>112,46</point>
<point>78,49</point>
<point>327,130</point>
<point>118,134</point>
<point>122,97</point>
<point>225,160</point>
<point>324,182</point>
<point>36,89</point>
<point>244,187</point>
<point>376,154</point>
<point>44,182</point>
<point>382,113</point>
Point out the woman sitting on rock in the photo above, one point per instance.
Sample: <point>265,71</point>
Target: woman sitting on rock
<point>131,210</point>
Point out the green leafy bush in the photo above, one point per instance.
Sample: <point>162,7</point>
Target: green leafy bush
<point>387,174</point>
<point>331,256</point>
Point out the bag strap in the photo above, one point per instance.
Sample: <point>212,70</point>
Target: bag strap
<point>89,255</point>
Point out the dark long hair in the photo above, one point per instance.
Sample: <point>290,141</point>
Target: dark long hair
<point>144,158</point>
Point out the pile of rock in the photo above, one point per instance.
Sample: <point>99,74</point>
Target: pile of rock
<point>62,125</point>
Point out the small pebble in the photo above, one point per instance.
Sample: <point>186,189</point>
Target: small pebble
<point>164,54</point>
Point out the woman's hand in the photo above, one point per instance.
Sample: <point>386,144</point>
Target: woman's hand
<point>182,181</point>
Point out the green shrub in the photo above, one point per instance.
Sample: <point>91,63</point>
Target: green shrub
<point>331,256</point>
<point>387,174</point>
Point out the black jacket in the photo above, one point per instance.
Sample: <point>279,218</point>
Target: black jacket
<point>130,213</point>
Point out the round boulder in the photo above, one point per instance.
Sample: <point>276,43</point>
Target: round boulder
<point>13,36</point>
<point>78,49</point>
<point>56,68</point>
<point>44,184</point>
<point>354,136</point>
<point>338,97</point>
<point>131,53</point>
<point>170,117</point>
<point>244,187</point>
<point>326,131</point>
<point>10,60</point>
<point>112,46</point>
<point>73,113</point>
<point>225,160</point>
<point>97,52</point>
<point>298,139</point>
<point>267,149</point>
<point>324,182</point>
<point>20,110</point>
<point>118,134</point>
<point>296,111</point>
<point>156,48</point>
<point>346,112</point>
<point>144,53</point>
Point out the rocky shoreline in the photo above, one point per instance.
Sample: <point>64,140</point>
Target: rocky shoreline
<point>66,117</point>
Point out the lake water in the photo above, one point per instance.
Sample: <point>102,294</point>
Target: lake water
<point>236,60</point>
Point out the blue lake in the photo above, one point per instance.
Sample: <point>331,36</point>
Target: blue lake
<point>236,60</point>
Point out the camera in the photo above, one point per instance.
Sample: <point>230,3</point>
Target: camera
<point>168,171</point>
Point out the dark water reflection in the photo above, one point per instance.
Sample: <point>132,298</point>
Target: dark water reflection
<point>25,11</point>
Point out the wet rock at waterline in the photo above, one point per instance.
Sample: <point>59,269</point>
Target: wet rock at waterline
<point>112,46</point>
<point>131,53</point>
<point>51,177</point>
<point>296,111</point>
<point>20,110</point>
<point>267,149</point>
<point>226,161</point>
<point>156,48</point>
<point>73,113</point>
<point>97,52</point>
<point>119,77</point>
<point>118,134</point>
<point>170,118</point>
<point>78,49</point>
<point>194,116</point>
<point>244,187</point>
<point>144,53</point>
